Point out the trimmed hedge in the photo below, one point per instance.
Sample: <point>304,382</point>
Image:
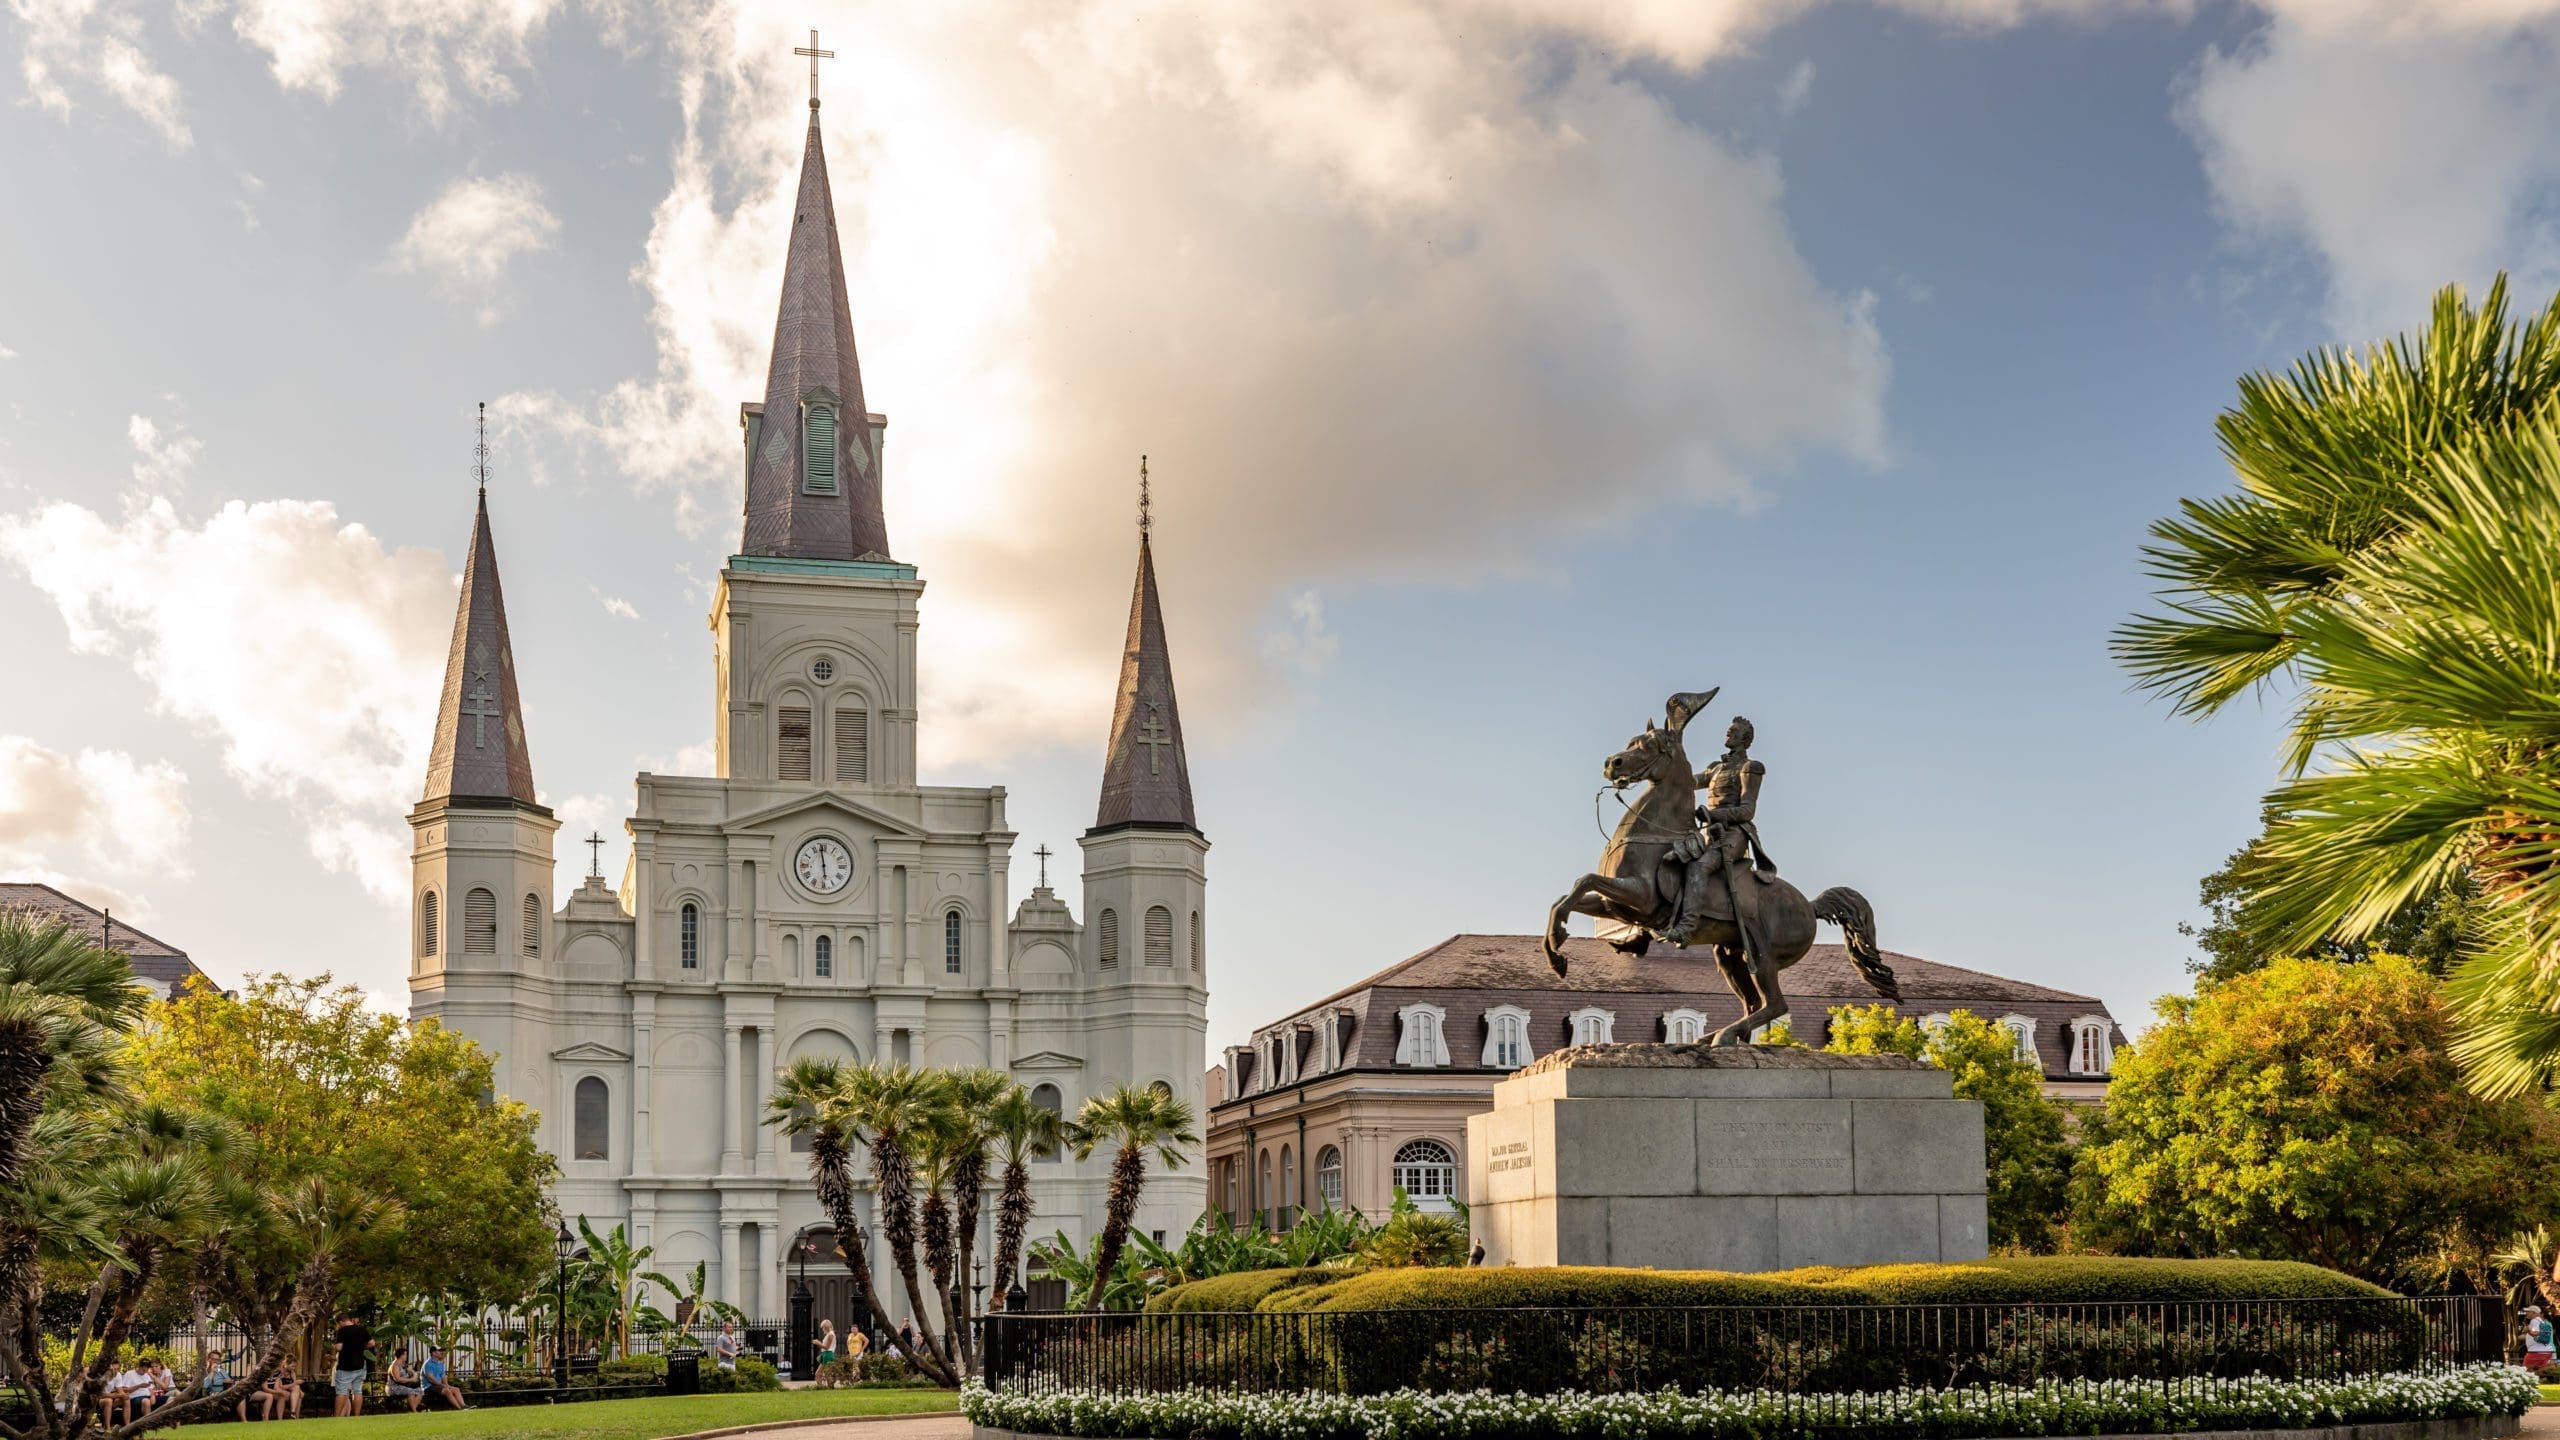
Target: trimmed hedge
<point>2039,1279</point>
<point>1244,1290</point>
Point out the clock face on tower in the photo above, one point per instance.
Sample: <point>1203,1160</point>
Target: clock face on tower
<point>825,865</point>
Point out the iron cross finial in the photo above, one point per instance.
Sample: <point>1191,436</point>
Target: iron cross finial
<point>595,843</point>
<point>1043,852</point>
<point>1146,502</point>
<point>815,55</point>
<point>480,452</point>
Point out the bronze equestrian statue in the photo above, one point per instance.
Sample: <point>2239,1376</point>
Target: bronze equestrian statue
<point>1663,877</point>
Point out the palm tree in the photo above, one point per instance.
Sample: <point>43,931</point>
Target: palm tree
<point>931,1143</point>
<point>808,1100</point>
<point>1135,1121</point>
<point>2395,551</point>
<point>975,1093</point>
<point>887,1102</point>
<point>63,1002</point>
<point>1024,1130</point>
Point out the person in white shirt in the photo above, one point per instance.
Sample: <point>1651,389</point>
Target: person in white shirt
<point>128,1390</point>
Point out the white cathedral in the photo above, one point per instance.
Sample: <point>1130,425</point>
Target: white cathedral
<point>810,898</point>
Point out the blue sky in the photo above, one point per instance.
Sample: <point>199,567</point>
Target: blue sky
<point>1506,366</point>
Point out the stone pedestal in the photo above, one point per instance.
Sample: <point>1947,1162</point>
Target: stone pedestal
<point>1687,1157</point>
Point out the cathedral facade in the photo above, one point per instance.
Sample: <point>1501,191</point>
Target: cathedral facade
<point>810,897</point>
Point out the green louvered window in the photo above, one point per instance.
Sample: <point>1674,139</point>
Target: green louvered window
<point>819,448</point>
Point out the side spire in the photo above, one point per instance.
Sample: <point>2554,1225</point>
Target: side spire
<point>1146,778</point>
<point>480,756</point>
<point>813,463</point>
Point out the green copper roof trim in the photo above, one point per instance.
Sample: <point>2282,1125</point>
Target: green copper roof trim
<point>793,565</point>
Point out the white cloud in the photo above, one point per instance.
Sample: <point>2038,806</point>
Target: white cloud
<point>1798,88</point>
<point>1383,293</point>
<point>1302,644</point>
<point>615,605</point>
<point>466,236</point>
<point>2403,146</point>
<point>95,43</point>
<point>7,354</point>
<point>160,466</point>
<point>446,50</point>
<point>99,823</point>
<point>296,640</point>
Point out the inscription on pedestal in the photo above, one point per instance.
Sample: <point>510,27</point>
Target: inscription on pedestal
<point>1513,1155</point>
<point>1773,1147</point>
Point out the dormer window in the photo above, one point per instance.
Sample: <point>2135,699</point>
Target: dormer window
<point>818,447</point>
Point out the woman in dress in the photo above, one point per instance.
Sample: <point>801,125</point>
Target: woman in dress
<point>826,1343</point>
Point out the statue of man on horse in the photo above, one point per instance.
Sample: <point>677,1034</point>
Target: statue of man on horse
<point>1663,877</point>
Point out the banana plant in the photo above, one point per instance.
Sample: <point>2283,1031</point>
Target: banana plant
<point>691,1301</point>
<point>614,1265</point>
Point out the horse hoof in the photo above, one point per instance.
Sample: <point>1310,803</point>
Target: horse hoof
<point>1555,957</point>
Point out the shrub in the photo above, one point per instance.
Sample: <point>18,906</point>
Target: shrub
<point>751,1374</point>
<point>1244,1290</point>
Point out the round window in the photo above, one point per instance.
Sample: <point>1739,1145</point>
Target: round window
<point>824,670</point>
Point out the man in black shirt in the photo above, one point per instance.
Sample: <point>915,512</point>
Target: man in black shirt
<point>353,1342</point>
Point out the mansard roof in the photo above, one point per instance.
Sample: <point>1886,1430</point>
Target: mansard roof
<point>1146,776</point>
<point>153,959</point>
<point>480,757</point>
<point>813,360</point>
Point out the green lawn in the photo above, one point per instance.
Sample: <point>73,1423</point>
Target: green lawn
<point>2551,1394</point>
<point>643,1419</point>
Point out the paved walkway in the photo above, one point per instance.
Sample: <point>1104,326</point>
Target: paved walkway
<point>2542,1420</point>
<point>905,1427</point>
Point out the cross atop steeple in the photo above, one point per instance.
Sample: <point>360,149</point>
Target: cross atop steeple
<point>480,763</point>
<point>595,846</point>
<point>815,55</point>
<point>1150,790</point>
<point>480,452</point>
<point>1146,502</point>
<point>1044,852</point>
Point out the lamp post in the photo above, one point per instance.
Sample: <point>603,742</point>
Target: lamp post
<point>977,1283</point>
<point>561,1243</point>
<point>802,1301</point>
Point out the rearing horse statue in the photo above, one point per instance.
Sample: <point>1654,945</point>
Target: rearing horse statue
<point>1635,893</point>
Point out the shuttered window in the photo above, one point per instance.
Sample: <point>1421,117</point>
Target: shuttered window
<point>1195,942</point>
<point>533,924</point>
<point>1107,946</point>
<point>853,747</point>
<point>1159,936</point>
<point>479,923</point>
<point>820,450</point>
<point>792,754</point>
<point>427,928</point>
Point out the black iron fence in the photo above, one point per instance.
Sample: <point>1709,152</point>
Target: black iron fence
<point>479,1352</point>
<point>1797,1350</point>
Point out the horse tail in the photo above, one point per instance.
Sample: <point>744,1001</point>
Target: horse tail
<point>1850,911</point>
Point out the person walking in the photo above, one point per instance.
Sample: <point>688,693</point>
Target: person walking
<point>2537,1340</point>
<point>826,1343</point>
<point>355,1346</point>
<point>725,1347</point>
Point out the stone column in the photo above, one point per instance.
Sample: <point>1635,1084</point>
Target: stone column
<point>644,1017</point>
<point>730,1288</point>
<point>769,1141</point>
<point>732,1151</point>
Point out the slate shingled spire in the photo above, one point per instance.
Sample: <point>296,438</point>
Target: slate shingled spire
<point>833,512</point>
<point>1146,779</point>
<point>480,757</point>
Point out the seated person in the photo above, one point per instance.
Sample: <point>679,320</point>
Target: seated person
<point>439,1380</point>
<point>128,1395</point>
<point>164,1385</point>
<point>283,1393</point>
<point>400,1385</point>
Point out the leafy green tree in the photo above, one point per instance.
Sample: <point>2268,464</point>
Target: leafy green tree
<point>2025,1141</point>
<point>1136,1122</point>
<point>2309,1111</point>
<point>2393,554</point>
<point>321,1089</point>
<point>2428,929</point>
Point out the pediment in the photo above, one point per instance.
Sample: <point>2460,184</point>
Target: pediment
<point>824,798</point>
<point>1048,1060</point>
<point>592,1053</point>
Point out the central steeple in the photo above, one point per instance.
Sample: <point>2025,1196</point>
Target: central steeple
<point>813,458</point>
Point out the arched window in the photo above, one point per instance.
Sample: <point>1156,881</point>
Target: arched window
<point>1047,1097</point>
<point>1329,1177</point>
<point>2092,1047</point>
<point>1262,1196</point>
<point>1195,942</point>
<point>533,924</point>
<point>479,923</point>
<point>1159,936</point>
<point>1106,943</point>
<point>592,1124</point>
<point>1420,1044</point>
<point>1426,1172</point>
<point>853,746</point>
<point>1232,1201</point>
<point>950,942</point>
<point>427,926</point>
<point>791,743</point>
<point>2025,1029</point>
<point>1506,1038</point>
<point>825,952</point>
<point>689,936</point>
<point>818,447</point>
<point>1591,1026</point>
<point>1288,1180</point>
<point>1683,1027</point>
<point>1160,1089</point>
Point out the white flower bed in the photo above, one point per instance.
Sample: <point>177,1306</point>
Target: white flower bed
<point>2052,1408</point>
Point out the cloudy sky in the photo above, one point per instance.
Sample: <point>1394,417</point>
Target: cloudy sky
<point>1505,365</point>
